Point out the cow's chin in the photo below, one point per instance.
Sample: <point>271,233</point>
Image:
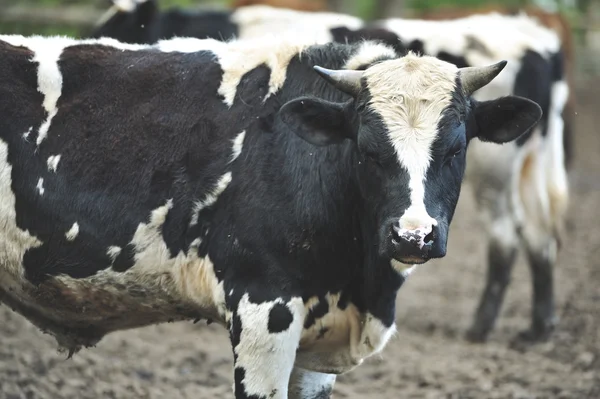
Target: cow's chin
<point>407,265</point>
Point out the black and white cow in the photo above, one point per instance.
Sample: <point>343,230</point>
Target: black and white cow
<point>142,22</point>
<point>265,185</point>
<point>522,189</point>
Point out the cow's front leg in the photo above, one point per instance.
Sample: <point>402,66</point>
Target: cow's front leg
<point>305,384</point>
<point>265,336</point>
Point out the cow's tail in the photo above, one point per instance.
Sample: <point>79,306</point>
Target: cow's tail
<point>559,146</point>
<point>543,183</point>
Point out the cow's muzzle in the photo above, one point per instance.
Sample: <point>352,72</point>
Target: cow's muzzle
<point>415,246</point>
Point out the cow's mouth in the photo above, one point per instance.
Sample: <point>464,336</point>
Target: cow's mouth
<point>411,260</point>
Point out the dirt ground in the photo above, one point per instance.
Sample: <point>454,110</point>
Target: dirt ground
<point>428,358</point>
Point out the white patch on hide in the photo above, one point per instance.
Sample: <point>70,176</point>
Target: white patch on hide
<point>40,186</point>
<point>73,232</point>
<point>53,162</point>
<point>27,133</point>
<point>113,252</point>
<point>238,143</point>
<point>211,197</point>
<point>148,237</point>
<point>259,350</point>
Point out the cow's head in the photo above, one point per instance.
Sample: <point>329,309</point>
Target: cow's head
<point>129,21</point>
<point>410,119</point>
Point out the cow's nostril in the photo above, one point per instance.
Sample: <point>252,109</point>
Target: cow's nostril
<point>395,230</point>
<point>428,239</point>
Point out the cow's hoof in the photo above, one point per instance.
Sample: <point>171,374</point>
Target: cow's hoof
<point>535,335</point>
<point>530,337</point>
<point>475,336</point>
<point>540,331</point>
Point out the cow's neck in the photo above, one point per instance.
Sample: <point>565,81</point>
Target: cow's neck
<point>372,283</point>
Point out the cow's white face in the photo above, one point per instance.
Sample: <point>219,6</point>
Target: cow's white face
<point>411,120</point>
<point>409,96</point>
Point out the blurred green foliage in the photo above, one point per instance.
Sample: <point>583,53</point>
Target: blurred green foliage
<point>364,8</point>
<point>422,5</point>
<point>51,28</point>
<point>37,29</point>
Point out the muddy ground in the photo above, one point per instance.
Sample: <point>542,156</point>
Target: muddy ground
<point>427,359</point>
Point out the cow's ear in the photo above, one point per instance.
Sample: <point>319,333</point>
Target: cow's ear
<point>505,119</point>
<point>318,121</point>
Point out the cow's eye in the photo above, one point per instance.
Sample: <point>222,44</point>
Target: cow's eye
<point>455,152</point>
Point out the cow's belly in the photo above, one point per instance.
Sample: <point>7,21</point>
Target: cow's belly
<point>79,312</point>
<point>341,339</point>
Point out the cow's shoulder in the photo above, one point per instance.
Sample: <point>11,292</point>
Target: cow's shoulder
<point>109,137</point>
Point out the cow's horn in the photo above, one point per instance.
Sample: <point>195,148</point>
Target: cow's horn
<point>347,81</point>
<point>474,78</point>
